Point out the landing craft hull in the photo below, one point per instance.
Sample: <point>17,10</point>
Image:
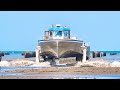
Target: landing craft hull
<point>63,49</point>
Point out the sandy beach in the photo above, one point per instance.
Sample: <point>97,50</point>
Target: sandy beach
<point>45,71</point>
<point>70,70</point>
<point>59,72</point>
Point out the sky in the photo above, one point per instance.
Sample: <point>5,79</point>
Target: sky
<point>21,30</point>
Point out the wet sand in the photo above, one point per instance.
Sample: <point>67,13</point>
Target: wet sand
<point>59,72</point>
<point>69,70</point>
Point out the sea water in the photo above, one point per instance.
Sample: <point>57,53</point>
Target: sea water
<point>12,55</point>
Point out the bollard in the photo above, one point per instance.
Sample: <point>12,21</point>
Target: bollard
<point>103,54</point>
<point>0,58</point>
<point>112,53</point>
<point>29,54</point>
<point>1,53</point>
<point>96,54</point>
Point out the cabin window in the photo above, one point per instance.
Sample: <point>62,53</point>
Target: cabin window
<point>46,34</point>
<point>58,33</point>
<point>51,33</point>
<point>65,33</point>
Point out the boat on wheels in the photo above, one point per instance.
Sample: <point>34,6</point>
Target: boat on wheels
<point>58,46</point>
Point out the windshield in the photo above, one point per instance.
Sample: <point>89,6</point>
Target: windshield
<point>58,33</point>
<point>65,33</point>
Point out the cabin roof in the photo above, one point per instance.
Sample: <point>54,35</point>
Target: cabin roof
<point>59,28</point>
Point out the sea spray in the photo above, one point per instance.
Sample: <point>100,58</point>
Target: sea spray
<point>115,64</point>
<point>21,62</point>
<point>4,63</point>
<point>42,64</point>
<point>96,63</point>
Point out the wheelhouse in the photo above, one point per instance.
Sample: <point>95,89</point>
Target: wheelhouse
<point>57,32</point>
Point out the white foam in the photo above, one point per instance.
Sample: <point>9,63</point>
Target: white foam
<point>115,64</point>
<point>42,64</point>
<point>4,63</point>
